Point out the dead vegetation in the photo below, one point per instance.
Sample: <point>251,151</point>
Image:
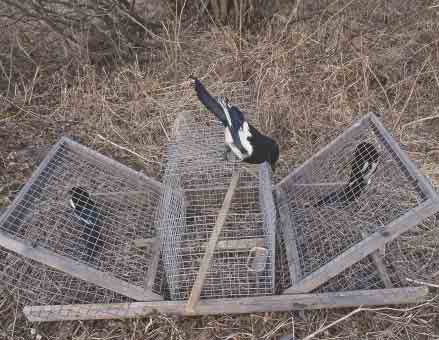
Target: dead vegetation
<point>314,67</point>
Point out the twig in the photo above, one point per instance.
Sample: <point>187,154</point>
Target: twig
<point>410,94</point>
<point>320,330</point>
<point>126,149</point>
<point>360,309</point>
<point>422,283</point>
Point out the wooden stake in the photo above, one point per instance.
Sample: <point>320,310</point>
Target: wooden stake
<point>221,219</point>
<point>377,259</point>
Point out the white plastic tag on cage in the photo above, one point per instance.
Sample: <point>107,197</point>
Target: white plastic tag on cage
<point>257,259</point>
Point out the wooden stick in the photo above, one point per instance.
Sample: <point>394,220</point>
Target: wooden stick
<point>364,248</point>
<point>204,267</point>
<point>242,244</point>
<point>377,259</point>
<point>318,184</point>
<point>152,270</point>
<point>259,304</point>
<point>286,228</point>
<point>76,269</point>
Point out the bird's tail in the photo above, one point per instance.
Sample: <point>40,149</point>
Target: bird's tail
<point>208,101</point>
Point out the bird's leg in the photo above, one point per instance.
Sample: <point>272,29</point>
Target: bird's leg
<point>226,153</point>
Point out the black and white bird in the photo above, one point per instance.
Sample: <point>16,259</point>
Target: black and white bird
<point>86,211</point>
<point>364,165</point>
<point>247,143</point>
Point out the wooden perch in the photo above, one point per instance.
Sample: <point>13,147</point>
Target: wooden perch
<point>204,267</point>
<point>242,244</point>
<point>258,304</point>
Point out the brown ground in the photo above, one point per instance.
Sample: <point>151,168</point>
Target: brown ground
<point>314,74</point>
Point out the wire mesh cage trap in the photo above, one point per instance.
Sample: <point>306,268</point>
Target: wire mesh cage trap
<point>358,189</point>
<point>82,230</point>
<point>195,183</point>
<point>332,225</point>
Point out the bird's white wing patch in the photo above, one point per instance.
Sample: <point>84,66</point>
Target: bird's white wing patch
<point>229,142</point>
<point>244,134</point>
<point>365,166</point>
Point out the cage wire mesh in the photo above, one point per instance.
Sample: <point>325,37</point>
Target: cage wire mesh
<point>326,211</point>
<point>33,283</point>
<point>409,260</point>
<point>195,182</point>
<point>114,243</point>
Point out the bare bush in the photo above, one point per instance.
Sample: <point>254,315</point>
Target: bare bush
<point>103,26</point>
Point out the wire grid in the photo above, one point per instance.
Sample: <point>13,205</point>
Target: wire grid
<point>321,233</point>
<point>195,182</point>
<point>126,203</point>
<point>33,283</point>
<point>409,260</point>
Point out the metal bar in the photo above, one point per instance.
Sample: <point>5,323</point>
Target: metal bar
<point>277,303</point>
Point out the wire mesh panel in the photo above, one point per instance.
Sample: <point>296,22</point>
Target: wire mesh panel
<point>195,183</point>
<point>351,189</point>
<point>88,216</point>
<point>33,283</point>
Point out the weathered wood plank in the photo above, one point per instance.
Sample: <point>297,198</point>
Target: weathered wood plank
<point>75,269</point>
<point>382,271</point>
<point>153,266</point>
<point>377,259</point>
<point>364,248</point>
<point>145,242</point>
<point>204,267</point>
<point>423,183</point>
<point>242,244</point>
<point>287,230</point>
<point>259,304</point>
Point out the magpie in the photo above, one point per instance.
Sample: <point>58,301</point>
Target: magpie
<point>86,211</point>
<point>363,166</point>
<point>240,137</point>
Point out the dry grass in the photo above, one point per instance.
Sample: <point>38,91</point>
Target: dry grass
<point>313,72</point>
